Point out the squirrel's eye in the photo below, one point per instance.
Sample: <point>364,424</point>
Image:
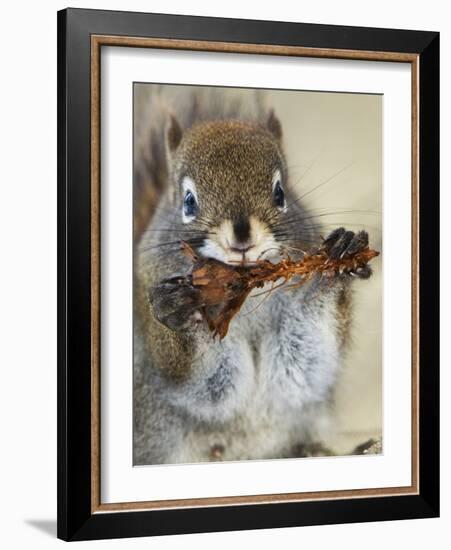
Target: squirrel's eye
<point>279,195</point>
<point>189,205</point>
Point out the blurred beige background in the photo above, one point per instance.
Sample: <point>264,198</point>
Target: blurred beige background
<point>334,141</point>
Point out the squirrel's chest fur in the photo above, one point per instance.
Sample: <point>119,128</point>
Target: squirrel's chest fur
<point>259,393</point>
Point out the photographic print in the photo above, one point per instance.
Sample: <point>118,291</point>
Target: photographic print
<point>257,236</point>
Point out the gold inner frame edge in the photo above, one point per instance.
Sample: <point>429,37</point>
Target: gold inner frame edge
<point>97,41</point>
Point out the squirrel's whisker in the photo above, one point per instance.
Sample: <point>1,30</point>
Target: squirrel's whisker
<point>326,181</point>
<point>301,219</point>
<point>308,192</point>
<point>173,243</point>
<point>184,231</point>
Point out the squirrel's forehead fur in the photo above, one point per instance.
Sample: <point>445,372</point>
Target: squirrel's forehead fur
<point>234,159</point>
<point>230,150</point>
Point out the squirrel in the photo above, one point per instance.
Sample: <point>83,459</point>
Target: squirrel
<point>215,158</point>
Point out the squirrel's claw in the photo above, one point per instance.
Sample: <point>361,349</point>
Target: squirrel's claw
<point>175,305</point>
<point>342,243</point>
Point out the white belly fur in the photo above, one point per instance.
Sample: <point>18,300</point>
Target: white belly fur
<point>283,359</point>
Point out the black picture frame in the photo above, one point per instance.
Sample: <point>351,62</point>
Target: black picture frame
<point>76,520</point>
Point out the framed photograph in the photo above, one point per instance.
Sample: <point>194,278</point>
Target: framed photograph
<point>248,274</point>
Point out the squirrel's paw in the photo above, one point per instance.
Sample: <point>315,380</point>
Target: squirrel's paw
<point>175,304</point>
<point>341,243</point>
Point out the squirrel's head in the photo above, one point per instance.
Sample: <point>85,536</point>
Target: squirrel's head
<point>229,182</point>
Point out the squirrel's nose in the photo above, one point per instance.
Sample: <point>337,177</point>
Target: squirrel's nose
<point>242,241</point>
<point>242,231</point>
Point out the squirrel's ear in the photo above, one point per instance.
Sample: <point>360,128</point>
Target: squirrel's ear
<point>273,125</point>
<point>173,135</point>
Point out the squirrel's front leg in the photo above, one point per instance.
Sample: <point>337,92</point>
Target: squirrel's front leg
<point>204,378</point>
<point>173,327</point>
<point>176,304</point>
